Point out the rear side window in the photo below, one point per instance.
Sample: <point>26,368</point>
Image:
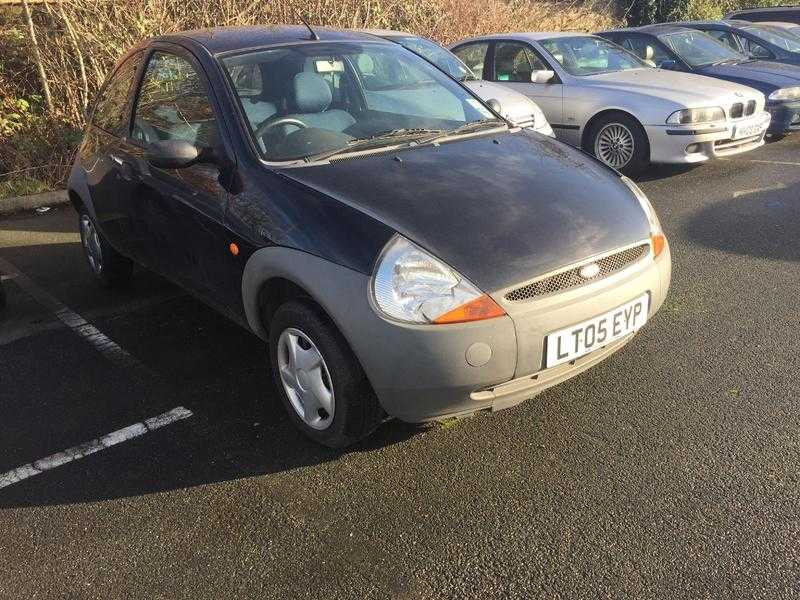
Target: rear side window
<point>474,56</point>
<point>173,104</point>
<point>110,111</point>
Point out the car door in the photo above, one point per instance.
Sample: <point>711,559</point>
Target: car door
<point>179,214</point>
<point>107,176</point>
<point>512,65</point>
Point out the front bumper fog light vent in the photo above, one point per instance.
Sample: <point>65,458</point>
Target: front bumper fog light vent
<point>693,148</point>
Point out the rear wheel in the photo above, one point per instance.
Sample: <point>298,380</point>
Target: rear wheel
<point>620,142</point>
<point>108,266</point>
<point>320,381</point>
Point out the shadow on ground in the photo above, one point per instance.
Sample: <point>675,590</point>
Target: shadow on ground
<point>57,392</point>
<point>762,224</point>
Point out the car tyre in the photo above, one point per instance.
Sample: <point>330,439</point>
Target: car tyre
<point>110,268</point>
<point>619,141</point>
<point>323,376</point>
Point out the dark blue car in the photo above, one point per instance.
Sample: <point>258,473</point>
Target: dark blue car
<point>401,249</point>
<point>692,51</point>
<point>758,40</point>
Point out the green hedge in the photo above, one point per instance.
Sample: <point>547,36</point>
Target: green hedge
<point>644,12</point>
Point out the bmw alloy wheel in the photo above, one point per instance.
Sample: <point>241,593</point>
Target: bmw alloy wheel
<point>91,244</point>
<point>614,145</point>
<point>306,379</point>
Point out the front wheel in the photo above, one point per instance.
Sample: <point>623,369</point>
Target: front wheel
<point>320,381</point>
<point>620,142</point>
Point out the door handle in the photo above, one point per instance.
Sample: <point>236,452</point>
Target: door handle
<point>126,170</point>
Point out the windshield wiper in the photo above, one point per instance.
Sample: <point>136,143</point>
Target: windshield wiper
<point>375,141</point>
<point>471,127</point>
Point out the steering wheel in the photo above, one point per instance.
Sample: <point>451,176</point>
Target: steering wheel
<point>265,128</point>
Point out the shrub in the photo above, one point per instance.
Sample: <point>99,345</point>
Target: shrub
<point>81,39</point>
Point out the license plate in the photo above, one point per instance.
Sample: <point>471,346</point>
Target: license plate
<point>748,130</point>
<point>581,339</point>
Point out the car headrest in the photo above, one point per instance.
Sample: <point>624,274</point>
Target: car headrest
<point>311,93</point>
<point>649,53</point>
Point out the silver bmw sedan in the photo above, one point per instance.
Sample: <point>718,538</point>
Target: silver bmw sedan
<point>598,96</point>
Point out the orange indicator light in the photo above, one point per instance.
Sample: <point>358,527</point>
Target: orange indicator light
<point>234,249</point>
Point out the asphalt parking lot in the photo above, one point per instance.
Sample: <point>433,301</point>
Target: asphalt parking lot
<point>672,470</point>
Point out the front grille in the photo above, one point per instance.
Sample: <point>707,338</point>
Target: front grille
<point>751,108</point>
<point>737,110</point>
<point>571,278</point>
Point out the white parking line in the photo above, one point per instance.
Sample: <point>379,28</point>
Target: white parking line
<point>102,343</point>
<point>91,447</point>
<point>769,188</point>
<point>765,162</point>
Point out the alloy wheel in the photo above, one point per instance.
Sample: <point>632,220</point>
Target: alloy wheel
<point>614,145</point>
<point>306,379</point>
<point>91,244</point>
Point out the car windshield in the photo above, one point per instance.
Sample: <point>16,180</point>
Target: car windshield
<point>304,101</point>
<point>699,49</point>
<point>590,55</point>
<point>442,58</point>
<point>781,38</point>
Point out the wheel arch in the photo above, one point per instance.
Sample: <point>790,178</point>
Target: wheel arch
<point>275,274</point>
<point>605,113</point>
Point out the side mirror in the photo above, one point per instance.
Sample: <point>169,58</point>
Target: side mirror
<point>668,64</point>
<point>172,154</point>
<point>495,105</point>
<point>542,76</point>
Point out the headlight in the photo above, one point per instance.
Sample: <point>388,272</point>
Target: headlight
<point>690,116</point>
<point>540,122</point>
<point>657,239</point>
<point>412,286</point>
<point>790,93</point>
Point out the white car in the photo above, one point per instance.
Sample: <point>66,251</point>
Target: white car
<point>517,108</point>
<point>602,98</point>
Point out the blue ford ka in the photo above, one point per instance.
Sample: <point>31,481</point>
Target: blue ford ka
<point>401,249</point>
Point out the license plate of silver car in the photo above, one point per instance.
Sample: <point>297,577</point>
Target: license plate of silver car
<point>750,130</point>
<point>580,339</point>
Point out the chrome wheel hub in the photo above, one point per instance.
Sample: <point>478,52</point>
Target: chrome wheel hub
<point>306,379</point>
<point>91,244</point>
<point>614,145</point>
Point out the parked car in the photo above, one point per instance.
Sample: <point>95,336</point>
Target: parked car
<point>401,250</point>
<point>607,101</point>
<point>788,14</point>
<point>790,27</point>
<point>692,51</point>
<point>517,108</point>
<point>757,40</point>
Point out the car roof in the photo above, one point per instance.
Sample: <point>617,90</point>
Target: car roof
<point>225,39</point>
<point>660,28</point>
<point>527,35</point>
<point>724,22</point>
<point>388,33</point>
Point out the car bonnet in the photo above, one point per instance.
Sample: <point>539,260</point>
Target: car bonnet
<point>499,209</point>
<point>767,72</point>
<point>685,89</point>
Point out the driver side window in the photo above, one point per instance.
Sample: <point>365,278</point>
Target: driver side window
<point>515,62</point>
<point>173,104</point>
<point>755,49</point>
<point>726,38</point>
